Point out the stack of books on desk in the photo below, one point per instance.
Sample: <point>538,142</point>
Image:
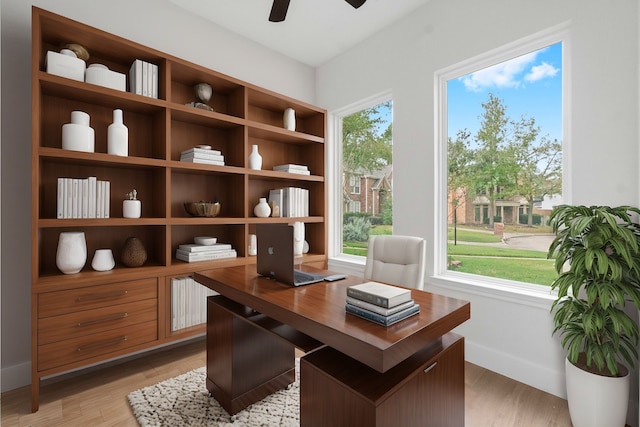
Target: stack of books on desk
<point>193,252</point>
<point>202,155</point>
<point>380,303</point>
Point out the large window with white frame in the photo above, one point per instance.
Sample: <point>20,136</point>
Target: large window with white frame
<point>502,143</point>
<point>362,175</point>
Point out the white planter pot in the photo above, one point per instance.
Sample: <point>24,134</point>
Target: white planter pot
<point>594,400</point>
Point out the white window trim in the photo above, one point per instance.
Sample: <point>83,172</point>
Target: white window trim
<point>334,174</point>
<point>440,275</point>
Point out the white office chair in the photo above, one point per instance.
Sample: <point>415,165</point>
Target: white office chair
<point>397,260</point>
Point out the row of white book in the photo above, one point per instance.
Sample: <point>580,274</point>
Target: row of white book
<point>193,252</point>
<point>143,78</point>
<point>83,198</point>
<point>188,302</point>
<point>292,201</point>
<point>293,168</point>
<point>202,155</point>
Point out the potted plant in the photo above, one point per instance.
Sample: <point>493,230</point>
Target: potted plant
<point>597,257</point>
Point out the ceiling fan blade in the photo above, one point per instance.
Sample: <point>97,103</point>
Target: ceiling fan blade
<point>279,10</point>
<point>356,3</point>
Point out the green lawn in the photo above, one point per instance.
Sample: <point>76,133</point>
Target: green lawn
<point>513,264</point>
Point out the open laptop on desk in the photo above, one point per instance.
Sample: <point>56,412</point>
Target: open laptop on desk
<point>275,256</point>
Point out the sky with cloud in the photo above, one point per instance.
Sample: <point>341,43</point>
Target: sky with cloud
<point>529,85</point>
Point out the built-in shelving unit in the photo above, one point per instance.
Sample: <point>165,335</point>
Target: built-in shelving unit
<point>89,317</point>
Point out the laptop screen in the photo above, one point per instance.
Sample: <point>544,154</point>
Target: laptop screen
<point>275,251</point>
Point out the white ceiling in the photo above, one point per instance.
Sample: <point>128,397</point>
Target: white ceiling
<point>314,30</point>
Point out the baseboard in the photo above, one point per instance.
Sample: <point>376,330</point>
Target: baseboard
<point>538,376</point>
<point>15,376</point>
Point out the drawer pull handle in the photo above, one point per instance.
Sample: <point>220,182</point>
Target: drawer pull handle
<point>112,294</point>
<point>103,344</point>
<point>103,319</point>
<point>433,365</point>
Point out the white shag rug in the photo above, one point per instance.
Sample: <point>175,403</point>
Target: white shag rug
<point>184,401</point>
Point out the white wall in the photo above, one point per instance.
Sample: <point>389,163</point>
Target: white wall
<point>510,334</point>
<point>160,25</point>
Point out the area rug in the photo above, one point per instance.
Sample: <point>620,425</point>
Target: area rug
<point>184,401</point>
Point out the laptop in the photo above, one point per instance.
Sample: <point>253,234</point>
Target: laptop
<point>275,256</point>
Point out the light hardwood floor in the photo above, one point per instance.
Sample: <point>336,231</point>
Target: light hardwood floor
<point>99,397</point>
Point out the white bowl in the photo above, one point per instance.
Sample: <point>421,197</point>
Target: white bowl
<point>207,241</point>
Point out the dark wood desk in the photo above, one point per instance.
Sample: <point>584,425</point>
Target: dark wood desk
<point>255,323</point>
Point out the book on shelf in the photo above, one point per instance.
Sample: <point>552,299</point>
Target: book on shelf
<point>194,247</point>
<point>377,309</point>
<point>205,256</point>
<point>201,151</point>
<point>143,78</point>
<point>381,294</point>
<point>380,319</point>
<point>190,156</point>
<point>188,302</point>
<point>82,198</point>
<point>204,161</point>
<point>293,168</point>
<point>293,201</point>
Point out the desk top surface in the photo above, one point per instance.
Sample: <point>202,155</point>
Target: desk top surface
<point>318,310</point>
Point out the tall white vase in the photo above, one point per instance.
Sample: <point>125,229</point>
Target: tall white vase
<point>78,135</point>
<point>255,159</point>
<point>72,252</point>
<point>290,119</point>
<point>298,238</point>
<point>118,136</point>
<point>595,400</point>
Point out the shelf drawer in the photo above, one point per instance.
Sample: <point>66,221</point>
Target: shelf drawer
<point>78,324</point>
<point>102,345</point>
<point>93,297</point>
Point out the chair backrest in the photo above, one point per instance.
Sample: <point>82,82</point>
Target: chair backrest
<point>397,260</point>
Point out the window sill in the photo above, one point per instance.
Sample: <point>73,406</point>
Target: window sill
<point>488,287</point>
<point>499,289</point>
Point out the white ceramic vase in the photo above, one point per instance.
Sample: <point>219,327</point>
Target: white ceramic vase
<point>290,119</point>
<point>71,254</point>
<point>255,159</point>
<point>131,208</point>
<point>78,135</point>
<point>262,209</point>
<point>298,238</point>
<point>103,260</point>
<point>252,248</point>
<point>595,400</point>
<point>118,136</point>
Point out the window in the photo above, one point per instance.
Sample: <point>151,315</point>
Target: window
<point>364,157</point>
<point>354,184</point>
<point>501,143</point>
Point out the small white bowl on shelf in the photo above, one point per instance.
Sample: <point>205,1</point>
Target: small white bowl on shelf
<point>203,240</point>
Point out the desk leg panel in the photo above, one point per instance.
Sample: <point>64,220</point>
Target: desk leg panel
<point>244,363</point>
<point>425,390</point>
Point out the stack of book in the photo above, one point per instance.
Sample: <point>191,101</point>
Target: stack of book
<point>292,201</point>
<point>83,198</point>
<point>380,303</point>
<point>143,78</point>
<point>192,252</point>
<point>291,168</point>
<point>202,155</point>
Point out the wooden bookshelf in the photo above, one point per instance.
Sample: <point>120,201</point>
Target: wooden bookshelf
<point>126,310</point>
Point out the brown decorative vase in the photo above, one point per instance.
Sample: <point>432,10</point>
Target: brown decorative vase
<point>133,253</point>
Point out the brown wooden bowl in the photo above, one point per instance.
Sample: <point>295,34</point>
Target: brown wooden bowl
<point>202,209</point>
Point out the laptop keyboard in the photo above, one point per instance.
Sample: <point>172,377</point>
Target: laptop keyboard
<point>301,276</point>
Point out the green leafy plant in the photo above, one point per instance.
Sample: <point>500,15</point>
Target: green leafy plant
<point>600,245</point>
